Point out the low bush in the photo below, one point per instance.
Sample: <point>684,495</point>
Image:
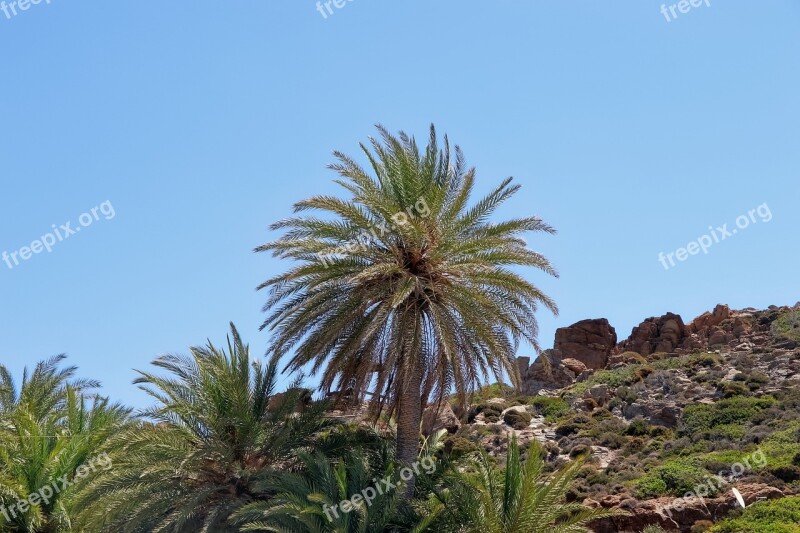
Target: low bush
<point>676,478</point>
<point>705,359</point>
<point>572,425</point>
<point>773,516</point>
<point>638,427</point>
<point>701,526</point>
<point>787,326</point>
<point>734,388</point>
<point>457,446</point>
<point>699,419</point>
<point>517,420</point>
<point>550,408</point>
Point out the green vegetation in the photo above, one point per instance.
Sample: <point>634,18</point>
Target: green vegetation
<point>625,375</point>
<point>517,420</point>
<point>50,426</point>
<point>520,497</point>
<point>700,420</point>
<point>787,326</point>
<point>775,516</point>
<point>218,444</point>
<point>551,408</point>
<point>676,478</point>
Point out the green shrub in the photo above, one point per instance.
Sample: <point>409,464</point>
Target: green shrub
<point>787,326</point>
<point>651,487</point>
<point>617,377</point>
<point>699,419</point>
<point>491,412</point>
<point>627,395</point>
<point>734,388</point>
<point>733,432</point>
<point>638,427</point>
<point>774,516</point>
<point>551,408</point>
<point>611,440</point>
<point>459,446</point>
<point>654,529</point>
<point>572,425</point>
<point>660,431</point>
<point>676,478</point>
<point>495,390</point>
<point>705,359</point>
<point>517,420</point>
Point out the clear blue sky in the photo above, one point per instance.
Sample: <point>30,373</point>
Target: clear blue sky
<point>203,122</point>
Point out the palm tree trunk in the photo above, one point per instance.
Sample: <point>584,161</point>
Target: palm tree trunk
<point>409,415</point>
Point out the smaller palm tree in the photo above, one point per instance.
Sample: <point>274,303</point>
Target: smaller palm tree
<point>369,479</point>
<point>521,498</point>
<point>49,429</point>
<point>220,435</point>
<point>309,501</point>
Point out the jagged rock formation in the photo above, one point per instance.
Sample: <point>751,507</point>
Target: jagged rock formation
<point>726,381</point>
<point>593,343</point>
<point>581,347</point>
<point>663,334</point>
<point>588,341</point>
<point>444,418</point>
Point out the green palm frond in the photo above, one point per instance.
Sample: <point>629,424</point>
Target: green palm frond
<point>520,498</point>
<point>51,430</point>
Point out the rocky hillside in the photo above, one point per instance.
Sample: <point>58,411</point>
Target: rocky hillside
<point>701,407</point>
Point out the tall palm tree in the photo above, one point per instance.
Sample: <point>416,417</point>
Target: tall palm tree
<point>404,288</point>
<point>51,431</point>
<point>221,433</point>
<point>521,498</point>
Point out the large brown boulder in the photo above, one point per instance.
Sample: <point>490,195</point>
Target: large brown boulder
<point>588,341</point>
<point>707,320</point>
<point>548,371</point>
<point>444,418</point>
<point>661,334</point>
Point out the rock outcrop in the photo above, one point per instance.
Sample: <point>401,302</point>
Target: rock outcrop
<point>444,418</point>
<point>589,341</point>
<point>548,372</point>
<point>676,513</point>
<point>662,334</point>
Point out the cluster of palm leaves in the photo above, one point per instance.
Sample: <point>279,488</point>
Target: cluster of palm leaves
<point>429,308</point>
<point>50,426</point>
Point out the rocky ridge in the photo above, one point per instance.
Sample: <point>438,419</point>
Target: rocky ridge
<point>594,395</point>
